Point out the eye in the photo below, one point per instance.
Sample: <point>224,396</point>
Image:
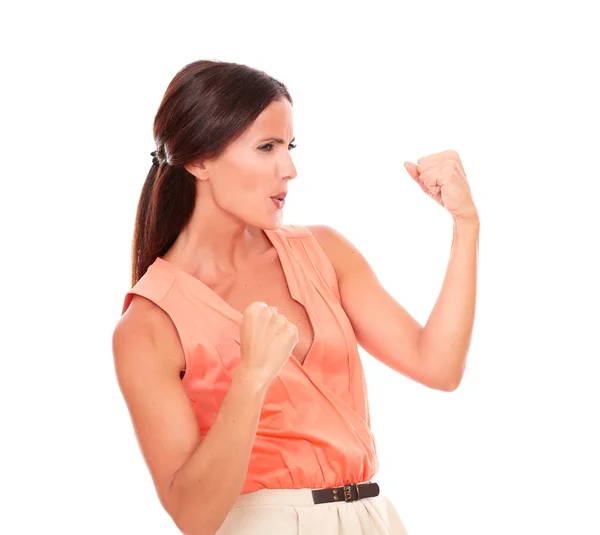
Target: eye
<point>270,146</point>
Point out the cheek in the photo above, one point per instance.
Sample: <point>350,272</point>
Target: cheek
<point>241,183</point>
<point>247,175</point>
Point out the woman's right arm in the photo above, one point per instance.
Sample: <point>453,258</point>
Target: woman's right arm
<point>197,482</point>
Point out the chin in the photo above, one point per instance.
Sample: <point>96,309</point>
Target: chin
<point>273,220</point>
<point>265,223</point>
<point>273,226</point>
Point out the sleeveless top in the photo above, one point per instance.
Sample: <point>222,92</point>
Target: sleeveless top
<point>314,428</point>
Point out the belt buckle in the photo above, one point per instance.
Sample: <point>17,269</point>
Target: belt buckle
<point>348,493</point>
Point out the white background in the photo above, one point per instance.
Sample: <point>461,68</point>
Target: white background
<point>512,87</point>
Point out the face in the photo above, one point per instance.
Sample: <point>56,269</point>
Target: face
<point>253,169</point>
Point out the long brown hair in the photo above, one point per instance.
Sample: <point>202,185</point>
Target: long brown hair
<point>207,105</point>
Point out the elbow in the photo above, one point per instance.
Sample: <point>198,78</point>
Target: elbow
<point>188,521</point>
<point>191,517</point>
<point>444,380</point>
<point>442,384</point>
<point>450,387</point>
<point>192,525</point>
<point>195,531</point>
<point>450,384</point>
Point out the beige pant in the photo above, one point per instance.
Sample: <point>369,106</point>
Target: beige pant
<point>292,512</point>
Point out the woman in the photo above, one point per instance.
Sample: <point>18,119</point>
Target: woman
<point>236,352</point>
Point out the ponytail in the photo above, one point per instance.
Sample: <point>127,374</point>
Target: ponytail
<point>165,206</point>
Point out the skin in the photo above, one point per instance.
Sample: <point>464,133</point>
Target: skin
<point>233,202</point>
<point>225,247</point>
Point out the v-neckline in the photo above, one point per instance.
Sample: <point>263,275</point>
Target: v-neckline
<point>236,315</point>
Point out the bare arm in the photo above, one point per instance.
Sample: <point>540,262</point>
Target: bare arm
<point>434,355</point>
<point>446,337</point>
<point>196,481</point>
<point>216,471</point>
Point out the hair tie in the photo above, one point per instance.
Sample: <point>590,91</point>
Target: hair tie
<point>155,159</point>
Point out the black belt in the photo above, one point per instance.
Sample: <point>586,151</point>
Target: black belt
<point>347,493</point>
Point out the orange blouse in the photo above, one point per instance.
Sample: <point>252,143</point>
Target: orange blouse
<point>314,429</point>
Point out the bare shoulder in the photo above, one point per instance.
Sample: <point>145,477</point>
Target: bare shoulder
<point>146,332</point>
<point>341,252</point>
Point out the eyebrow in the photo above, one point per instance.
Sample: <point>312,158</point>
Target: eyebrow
<point>277,139</point>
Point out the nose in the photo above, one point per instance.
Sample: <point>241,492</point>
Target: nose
<point>288,168</point>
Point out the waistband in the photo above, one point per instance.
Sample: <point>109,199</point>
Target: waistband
<point>297,497</point>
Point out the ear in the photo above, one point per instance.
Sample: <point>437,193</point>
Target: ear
<point>198,169</point>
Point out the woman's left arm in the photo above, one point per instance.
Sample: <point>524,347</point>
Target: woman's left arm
<point>446,337</point>
<point>434,355</point>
